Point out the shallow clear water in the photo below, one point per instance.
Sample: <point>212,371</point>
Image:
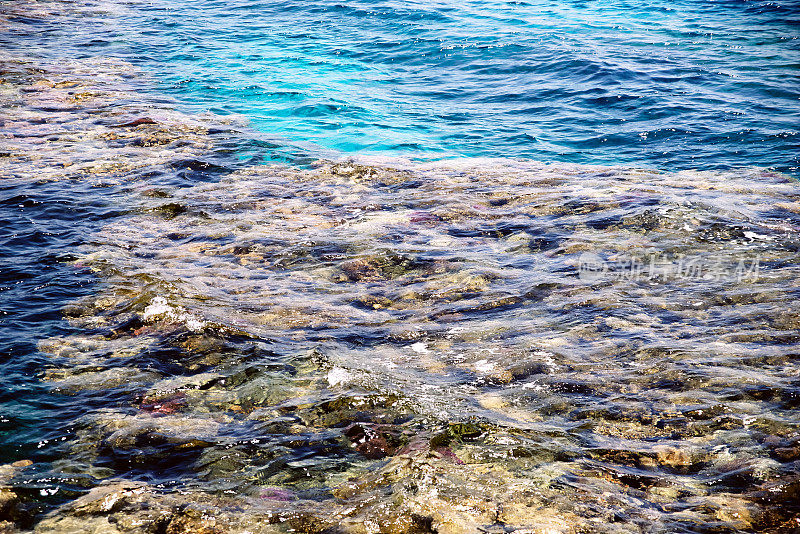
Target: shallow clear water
<point>346,267</point>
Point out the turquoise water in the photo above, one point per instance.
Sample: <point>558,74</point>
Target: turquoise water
<point>658,83</point>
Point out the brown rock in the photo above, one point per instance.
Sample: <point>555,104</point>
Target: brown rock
<point>8,502</point>
<point>192,525</point>
<point>787,454</point>
<point>672,457</point>
<point>136,122</point>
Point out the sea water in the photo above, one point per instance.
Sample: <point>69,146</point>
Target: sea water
<point>433,266</point>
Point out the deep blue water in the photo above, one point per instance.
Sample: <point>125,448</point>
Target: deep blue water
<point>40,228</point>
<point>649,83</point>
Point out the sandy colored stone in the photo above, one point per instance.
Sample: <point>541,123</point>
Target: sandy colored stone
<point>8,499</point>
<point>536,519</point>
<point>106,498</point>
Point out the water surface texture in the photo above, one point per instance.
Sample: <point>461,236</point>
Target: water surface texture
<point>660,83</point>
<point>399,267</point>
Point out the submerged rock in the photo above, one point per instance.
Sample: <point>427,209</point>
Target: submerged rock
<point>470,374</point>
